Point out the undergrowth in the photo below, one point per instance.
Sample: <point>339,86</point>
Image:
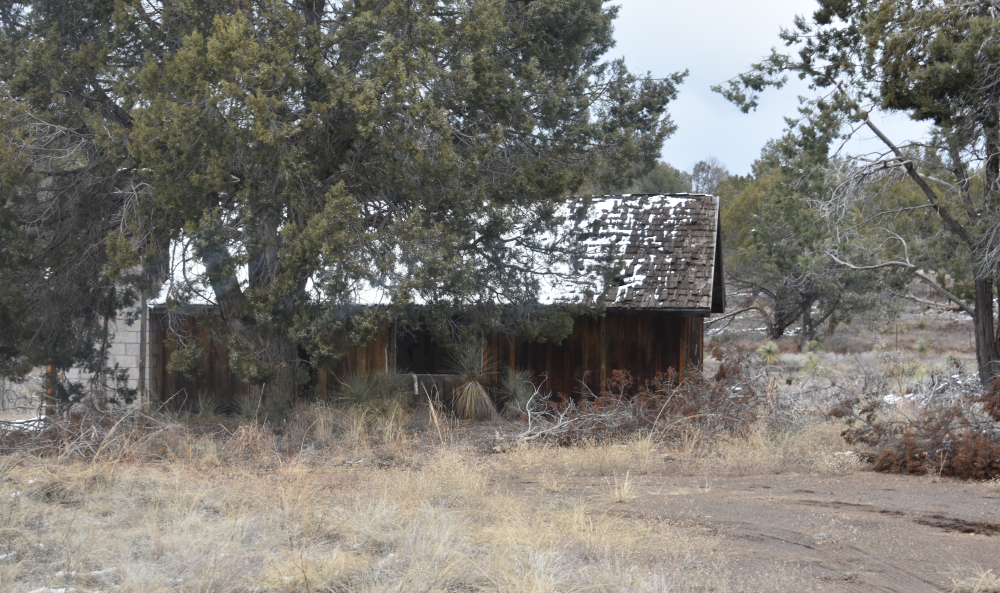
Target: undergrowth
<point>946,426</point>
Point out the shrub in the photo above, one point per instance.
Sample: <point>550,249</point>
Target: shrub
<point>731,401</point>
<point>952,431</point>
<point>379,392</point>
<point>472,400</point>
<point>769,353</point>
<point>922,346</point>
<point>517,389</point>
<point>248,404</point>
<point>208,405</point>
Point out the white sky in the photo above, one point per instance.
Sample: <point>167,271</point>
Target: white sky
<point>716,40</point>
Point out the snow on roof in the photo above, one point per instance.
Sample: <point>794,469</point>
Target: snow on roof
<point>665,247</point>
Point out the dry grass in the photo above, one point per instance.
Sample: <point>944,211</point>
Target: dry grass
<point>815,447</point>
<point>622,490</point>
<point>357,501</point>
<point>193,512</point>
<point>985,581</point>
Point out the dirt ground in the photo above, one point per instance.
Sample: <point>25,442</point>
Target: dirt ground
<point>859,532</point>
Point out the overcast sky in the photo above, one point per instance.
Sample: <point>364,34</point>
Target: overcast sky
<point>715,40</point>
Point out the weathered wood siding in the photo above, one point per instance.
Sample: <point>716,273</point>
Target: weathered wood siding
<point>378,354</point>
<point>643,346</point>
<point>216,379</point>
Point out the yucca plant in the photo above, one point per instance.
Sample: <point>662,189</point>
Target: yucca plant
<point>769,353</point>
<point>248,404</point>
<point>377,392</point>
<point>516,388</point>
<point>472,400</point>
<point>208,406</point>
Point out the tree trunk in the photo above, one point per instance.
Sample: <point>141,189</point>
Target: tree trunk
<point>808,331</point>
<point>102,373</point>
<point>987,354</point>
<point>986,344</point>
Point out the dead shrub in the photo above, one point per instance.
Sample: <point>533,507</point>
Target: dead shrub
<point>93,427</point>
<point>731,402</point>
<point>944,427</point>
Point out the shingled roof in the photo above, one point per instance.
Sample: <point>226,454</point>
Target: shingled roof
<point>668,248</point>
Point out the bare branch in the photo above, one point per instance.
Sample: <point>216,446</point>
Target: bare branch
<point>932,197</point>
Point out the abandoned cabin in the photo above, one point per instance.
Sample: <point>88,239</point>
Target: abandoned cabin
<point>671,279</point>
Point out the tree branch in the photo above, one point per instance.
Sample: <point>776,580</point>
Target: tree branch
<point>951,297</point>
<point>932,197</point>
<point>887,264</point>
<point>734,314</point>
<point>920,275</point>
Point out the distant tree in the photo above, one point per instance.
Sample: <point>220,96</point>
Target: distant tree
<point>777,250</point>
<point>662,179</point>
<point>707,176</point>
<point>935,62</point>
<point>313,169</point>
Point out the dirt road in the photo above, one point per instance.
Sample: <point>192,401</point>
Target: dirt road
<point>861,532</point>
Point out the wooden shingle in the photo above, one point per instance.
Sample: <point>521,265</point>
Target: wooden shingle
<point>667,246</point>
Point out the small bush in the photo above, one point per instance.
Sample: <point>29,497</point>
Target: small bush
<point>473,402</point>
<point>813,366</point>
<point>248,404</point>
<point>813,346</point>
<point>922,346</point>
<point>377,392</point>
<point>951,433</point>
<point>769,353</point>
<point>516,388</point>
<point>208,405</point>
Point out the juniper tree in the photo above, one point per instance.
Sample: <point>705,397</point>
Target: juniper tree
<point>303,159</point>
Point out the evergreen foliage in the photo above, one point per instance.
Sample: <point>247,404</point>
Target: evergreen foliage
<point>290,162</point>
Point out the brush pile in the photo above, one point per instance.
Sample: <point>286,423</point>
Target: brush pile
<point>948,425</point>
<point>79,429</point>
<point>734,399</point>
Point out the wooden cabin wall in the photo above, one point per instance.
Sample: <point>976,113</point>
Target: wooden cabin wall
<point>216,379</point>
<point>378,354</point>
<point>643,346</point>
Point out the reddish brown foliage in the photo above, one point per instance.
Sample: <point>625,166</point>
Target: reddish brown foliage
<point>730,401</point>
<point>955,434</point>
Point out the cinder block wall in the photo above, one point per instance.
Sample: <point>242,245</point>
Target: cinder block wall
<point>124,350</point>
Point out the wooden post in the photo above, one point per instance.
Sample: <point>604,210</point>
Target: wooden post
<point>604,353</point>
<point>50,390</point>
<point>143,316</point>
